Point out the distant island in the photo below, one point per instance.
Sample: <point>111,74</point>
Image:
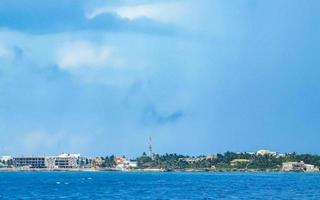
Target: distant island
<point>262,160</point>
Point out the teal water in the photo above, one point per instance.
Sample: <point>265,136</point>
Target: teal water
<point>107,185</point>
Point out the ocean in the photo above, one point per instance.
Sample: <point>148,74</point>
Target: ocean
<point>122,185</point>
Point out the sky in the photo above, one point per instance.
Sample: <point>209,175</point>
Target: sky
<point>98,77</point>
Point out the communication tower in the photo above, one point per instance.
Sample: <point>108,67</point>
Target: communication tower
<point>150,148</point>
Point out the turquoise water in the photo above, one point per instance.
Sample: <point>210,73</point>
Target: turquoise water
<point>106,185</point>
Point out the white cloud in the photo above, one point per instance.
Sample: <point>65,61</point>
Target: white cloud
<point>81,54</point>
<point>172,12</point>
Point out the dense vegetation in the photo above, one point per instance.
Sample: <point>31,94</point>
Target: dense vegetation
<point>223,161</point>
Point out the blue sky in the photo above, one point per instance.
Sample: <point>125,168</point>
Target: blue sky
<point>199,76</point>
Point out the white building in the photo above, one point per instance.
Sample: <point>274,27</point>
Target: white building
<point>310,168</point>
<point>124,164</point>
<point>5,159</point>
<point>263,152</point>
<point>298,167</point>
<point>62,161</point>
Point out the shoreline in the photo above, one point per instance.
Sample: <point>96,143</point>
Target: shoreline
<point>148,170</point>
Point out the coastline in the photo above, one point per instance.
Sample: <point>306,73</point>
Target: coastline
<point>153,170</point>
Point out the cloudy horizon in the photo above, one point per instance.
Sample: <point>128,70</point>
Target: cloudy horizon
<point>198,76</point>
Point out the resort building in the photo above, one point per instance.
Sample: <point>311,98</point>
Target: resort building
<point>310,168</point>
<point>29,162</point>
<point>123,164</point>
<point>298,167</point>
<point>61,161</point>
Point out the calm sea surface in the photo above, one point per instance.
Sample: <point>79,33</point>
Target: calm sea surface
<point>107,185</point>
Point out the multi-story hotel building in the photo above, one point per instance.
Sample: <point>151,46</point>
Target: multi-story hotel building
<point>63,161</point>
<point>50,162</point>
<point>30,162</point>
